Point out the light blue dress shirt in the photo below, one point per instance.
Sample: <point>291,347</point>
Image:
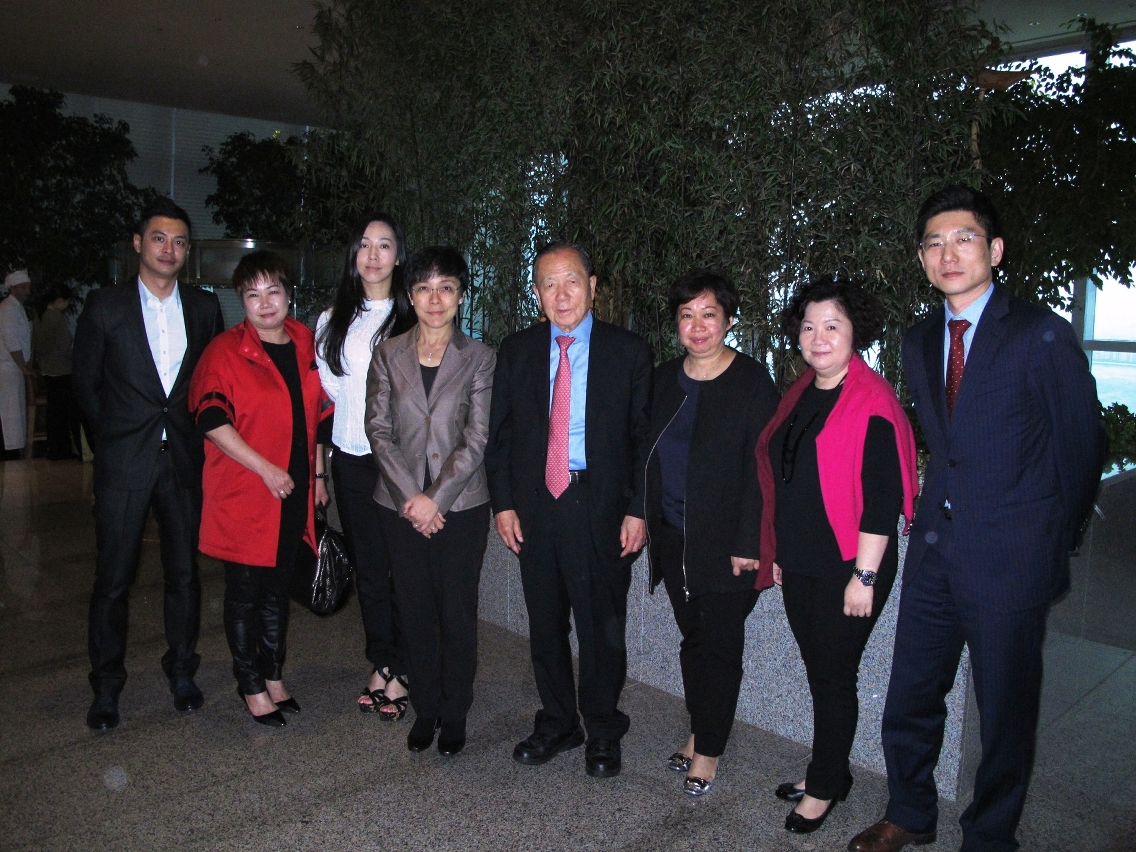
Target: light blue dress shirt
<point>578,359</point>
<point>972,314</point>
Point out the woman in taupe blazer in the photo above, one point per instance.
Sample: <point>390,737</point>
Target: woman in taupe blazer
<point>428,393</point>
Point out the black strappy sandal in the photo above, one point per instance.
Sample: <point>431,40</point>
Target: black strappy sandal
<point>399,704</point>
<point>377,696</point>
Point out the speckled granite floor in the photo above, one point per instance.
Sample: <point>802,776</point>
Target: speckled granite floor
<point>334,779</point>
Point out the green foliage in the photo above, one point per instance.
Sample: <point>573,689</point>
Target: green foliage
<point>65,197</point>
<point>1059,158</point>
<point>1120,424</point>
<point>774,141</point>
<point>259,187</point>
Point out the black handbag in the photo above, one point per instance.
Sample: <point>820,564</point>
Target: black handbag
<point>322,581</point>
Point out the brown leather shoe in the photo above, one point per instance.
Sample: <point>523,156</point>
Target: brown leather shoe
<point>886,836</point>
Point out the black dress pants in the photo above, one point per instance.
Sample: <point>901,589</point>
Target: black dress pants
<point>713,645</point>
<point>436,580</point>
<point>120,517</point>
<point>354,478</point>
<point>1006,664</point>
<point>832,644</point>
<point>562,574</point>
<point>62,419</point>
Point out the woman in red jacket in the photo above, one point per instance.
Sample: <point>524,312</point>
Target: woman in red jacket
<point>257,397</point>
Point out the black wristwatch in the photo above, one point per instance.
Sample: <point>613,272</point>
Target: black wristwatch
<point>868,578</point>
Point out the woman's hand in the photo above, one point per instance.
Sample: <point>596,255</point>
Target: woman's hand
<point>740,564</point>
<point>777,574</point>
<point>423,513</point>
<point>321,492</point>
<point>277,481</point>
<point>858,598</point>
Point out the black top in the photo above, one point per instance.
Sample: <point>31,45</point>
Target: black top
<point>722,509</point>
<point>804,545</point>
<point>428,376</point>
<point>674,453</point>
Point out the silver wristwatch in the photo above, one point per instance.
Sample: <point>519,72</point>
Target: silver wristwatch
<point>868,578</point>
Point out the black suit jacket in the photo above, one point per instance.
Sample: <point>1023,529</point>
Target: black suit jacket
<point>119,391</point>
<point>617,419</point>
<point>1020,459</point>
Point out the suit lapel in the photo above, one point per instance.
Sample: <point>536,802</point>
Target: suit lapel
<point>410,371</point>
<point>988,338</point>
<point>933,364</point>
<point>451,366</point>
<point>194,335</point>
<point>138,328</point>
<point>594,404</point>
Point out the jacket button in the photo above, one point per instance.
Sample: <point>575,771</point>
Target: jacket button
<point>427,420</point>
<point>165,410</point>
<point>434,456</point>
<point>951,462</point>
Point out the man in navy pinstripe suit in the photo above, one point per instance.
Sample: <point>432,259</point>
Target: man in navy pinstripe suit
<point>1009,410</point>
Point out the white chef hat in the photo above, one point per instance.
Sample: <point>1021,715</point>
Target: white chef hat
<point>20,276</point>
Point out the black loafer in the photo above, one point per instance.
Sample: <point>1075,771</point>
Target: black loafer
<point>187,697</point>
<point>541,748</point>
<point>421,734</point>
<point>789,792</point>
<point>451,739</point>
<point>603,758</point>
<point>103,714</point>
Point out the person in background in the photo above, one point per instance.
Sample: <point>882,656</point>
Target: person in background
<point>837,467</point>
<point>53,344</point>
<point>428,397</point>
<point>136,347</point>
<point>703,506</point>
<point>370,305</point>
<point>257,398</point>
<point>16,376</point>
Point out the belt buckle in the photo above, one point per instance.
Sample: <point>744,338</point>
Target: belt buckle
<point>577,476</point>
<point>165,445</point>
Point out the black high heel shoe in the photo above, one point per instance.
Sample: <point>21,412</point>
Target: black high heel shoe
<point>275,719</point>
<point>789,792</point>
<point>798,824</point>
<point>288,705</point>
<point>422,733</point>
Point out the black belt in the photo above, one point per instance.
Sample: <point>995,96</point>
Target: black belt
<point>165,445</point>
<point>578,476</point>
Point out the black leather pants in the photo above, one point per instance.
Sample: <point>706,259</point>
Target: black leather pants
<point>256,624</point>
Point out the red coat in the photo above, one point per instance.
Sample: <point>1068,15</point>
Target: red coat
<point>240,519</point>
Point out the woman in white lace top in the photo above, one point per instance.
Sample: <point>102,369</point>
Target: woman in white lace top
<point>370,305</point>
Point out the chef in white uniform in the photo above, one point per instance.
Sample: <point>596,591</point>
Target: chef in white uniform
<point>15,357</point>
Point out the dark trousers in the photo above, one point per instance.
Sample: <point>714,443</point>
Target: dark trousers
<point>1006,663</point>
<point>120,517</point>
<point>436,580</point>
<point>561,573</point>
<point>256,623</point>
<point>831,645</point>
<point>62,419</point>
<point>712,648</point>
<point>354,478</point>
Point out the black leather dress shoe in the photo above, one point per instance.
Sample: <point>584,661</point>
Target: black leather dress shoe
<point>541,748</point>
<point>187,697</point>
<point>103,714</point>
<point>275,719</point>
<point>789,792</point>
<point>451,739</point>
<point>421,734</point>
<point>603,758</point>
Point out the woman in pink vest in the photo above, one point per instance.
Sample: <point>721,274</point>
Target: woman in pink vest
<point>837,467</point>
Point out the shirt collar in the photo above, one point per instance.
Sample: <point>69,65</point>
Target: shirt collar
<point>152,301</point>
<point>972,313</point>
<point>582,333</point>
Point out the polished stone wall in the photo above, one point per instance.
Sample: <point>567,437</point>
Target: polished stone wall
<point>775,694</point>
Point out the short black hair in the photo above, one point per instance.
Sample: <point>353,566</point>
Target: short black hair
<point>262,264</point>
<point>562,245</point>
<point>958,197</point>
<point>699,281</point>
<point>444,261</point>
<point>165,207</point>
<point>863,309</point>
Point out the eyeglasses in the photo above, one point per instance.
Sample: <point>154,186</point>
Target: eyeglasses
<point>446,290</point>
<point>964,242</point>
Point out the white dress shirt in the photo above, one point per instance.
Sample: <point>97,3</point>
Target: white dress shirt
<point>349,391</point>
<point>165,332</point>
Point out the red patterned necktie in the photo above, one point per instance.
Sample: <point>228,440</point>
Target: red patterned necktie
<point>956,358</point>
<point>556,465</point>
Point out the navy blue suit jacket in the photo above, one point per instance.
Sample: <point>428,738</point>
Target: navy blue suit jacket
<point>616,421</point>
<point>1020,459</point>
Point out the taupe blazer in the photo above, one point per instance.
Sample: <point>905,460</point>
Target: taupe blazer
<point>447,432</point>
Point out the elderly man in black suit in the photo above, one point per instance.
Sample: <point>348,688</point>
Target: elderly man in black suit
<point>135,350</point>
<point>567,433</point>
<point>1009,410</point>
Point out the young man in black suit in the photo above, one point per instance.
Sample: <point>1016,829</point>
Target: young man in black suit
<point>1009,410</point>
<point>567,434</point>
<point>135,350</point>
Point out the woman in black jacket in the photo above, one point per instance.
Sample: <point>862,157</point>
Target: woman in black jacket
<point>703,508</point>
